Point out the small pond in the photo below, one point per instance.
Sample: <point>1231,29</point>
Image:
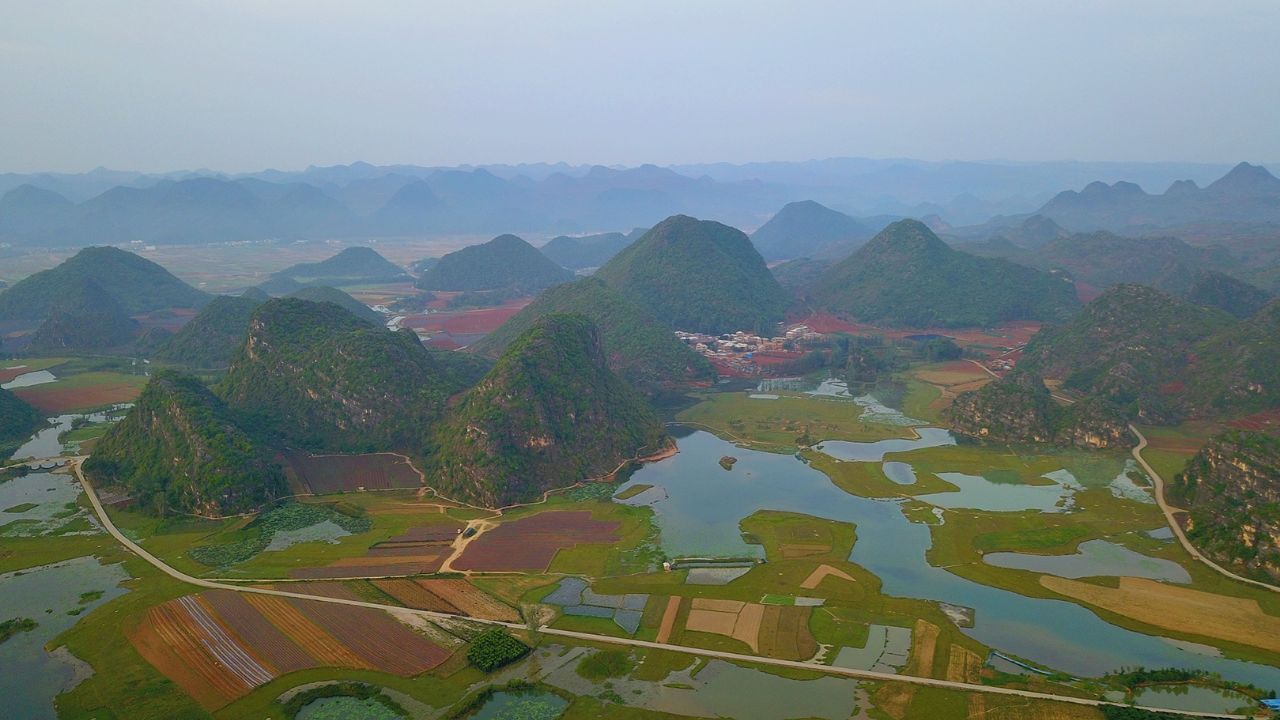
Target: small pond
<point>44,444</point>
<point>1094,558</point>
<point>32,677</point>
<point>347,708</point>
<point>521,705</point>
<point>39,503</point>
<point>899,472</point>
<point>1196,698</point>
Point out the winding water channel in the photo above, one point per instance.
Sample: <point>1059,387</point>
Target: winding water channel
<point>705,503</point>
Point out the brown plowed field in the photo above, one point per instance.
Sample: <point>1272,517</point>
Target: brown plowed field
<point>274,646</point>
<point>412,594</point>
<point>52,400</point>
<point>531,542</point>
<point>784,633</point>
<point>320,588</point>
<point>471,600</point>
<point>323,474</point>
<point>167,641</point>
<point>309,636</point>
<point>381,641</point>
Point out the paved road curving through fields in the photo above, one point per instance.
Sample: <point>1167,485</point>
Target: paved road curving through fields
<point>1173,522</point>
<point>608,639</point>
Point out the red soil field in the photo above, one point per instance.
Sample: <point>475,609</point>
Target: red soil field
<point>465,322</point>
<point>324,474</point>
<point>320,588</point>
<point>7,374</point>
<point>376,637</point>
<point>382,565</point>
<point>218,645</point>
<point>52,400</point>
<point>530,543</point>
<point>414,595</point>
<point>470,600</point>
<point>438,533</point>
<point>1265,421</point>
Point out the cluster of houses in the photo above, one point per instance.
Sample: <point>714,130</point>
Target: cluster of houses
<point>746,353</point>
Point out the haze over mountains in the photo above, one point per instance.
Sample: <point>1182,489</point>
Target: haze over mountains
<point>362,200</point>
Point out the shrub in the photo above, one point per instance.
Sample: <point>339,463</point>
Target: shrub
<point>494,648</point>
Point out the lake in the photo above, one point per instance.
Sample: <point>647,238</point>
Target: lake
<point>704,505</point>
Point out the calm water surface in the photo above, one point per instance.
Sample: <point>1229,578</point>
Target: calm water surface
<point>704,505</point>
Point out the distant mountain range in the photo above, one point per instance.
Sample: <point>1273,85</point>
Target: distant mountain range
<point>362,200</point>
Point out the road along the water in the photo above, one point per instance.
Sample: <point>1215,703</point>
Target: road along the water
<point>607,639</point>
<point>1173,521</point>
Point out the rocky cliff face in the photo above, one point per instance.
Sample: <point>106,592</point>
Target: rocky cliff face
<point>1232,490</point>
<point>179,450</point>
<point>1019,408</point>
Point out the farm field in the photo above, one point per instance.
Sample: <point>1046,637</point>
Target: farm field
<point>83,391</point>
<point>325,474</point>
<point>219,645</point>
<point>777,424</point>
<point>530,543</point>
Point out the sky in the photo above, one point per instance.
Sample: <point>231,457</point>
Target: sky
<point>242,85</point>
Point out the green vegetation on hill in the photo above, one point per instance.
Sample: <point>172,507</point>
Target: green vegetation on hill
<point>136,283</point>
<point>318,376</point>
<point>636,346</point>
<point>1226,293</point>
<point>588,251</point>
<point>1132,346</point>
<point>798,275</point>
<point>18,421</point>
<point>803,228</point>
<point>699,276</point>
<point>548,415</point>
<point>324,293</point>
<point>1237,369</point>
<point>180,450</point>
<point>1232,490</point>
<point>85,318</point>
<point>212,336</point>
<point>907,276</point>
<point>505,261</point>
<point>1019,408</point>
<point>352,266</point>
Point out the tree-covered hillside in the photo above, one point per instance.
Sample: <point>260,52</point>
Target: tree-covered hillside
<point>180,450</point>
<point>1133,346</point>
<point>352,266</point>
<point>504,262</point>
<point>1232,490</point>
<point>136,283</point>
<point>801,229</point>
<point>636,345</point>
<point>588,251</point>
<point>907,276</point>
<point>1226,293</point>
<point>18,421</point>
<point>548,415</point>
<point>324,293</point>
<point>318,376</point>
<point>212,336</point>
<point>699,276</point>
<point>1018,408</point>
<point>86,318</point>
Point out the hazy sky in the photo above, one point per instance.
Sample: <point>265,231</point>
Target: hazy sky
<point>248,84</point>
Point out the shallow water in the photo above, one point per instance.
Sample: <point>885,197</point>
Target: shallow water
<point>979,493</point>
<point>1192,697</point>
<point>325,531</point>
<point>522,705</point>
<point>31,677</point>
<point>875,451</point>
<point>1095,558</point>
<point>38,377</point>
<point>44,444</point>
<point>899,472</point>
<point>53,494</point>
<point>705,504</point>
